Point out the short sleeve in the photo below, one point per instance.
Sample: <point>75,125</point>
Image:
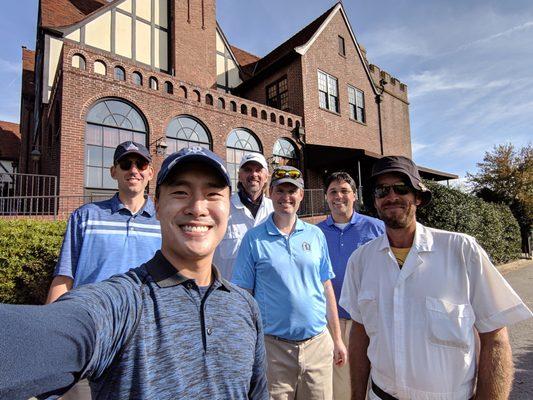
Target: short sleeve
<point>494,301</point>
<point>244,267</point>
<point>350,288</point>
<point>326,269</point>
<point>71,247</point>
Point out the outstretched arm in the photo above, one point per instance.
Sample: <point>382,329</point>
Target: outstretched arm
<point>495,376</point>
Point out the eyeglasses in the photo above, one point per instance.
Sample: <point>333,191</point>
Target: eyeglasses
<point>282,173</point>
<point>400,189</point>
<point>126,164</point>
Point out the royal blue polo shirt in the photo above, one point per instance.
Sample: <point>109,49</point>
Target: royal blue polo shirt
<point>105,238</point>
<point>286,275</point>
<point>343,242</point>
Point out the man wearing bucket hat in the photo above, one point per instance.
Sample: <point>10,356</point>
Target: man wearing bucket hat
<point>172,328</point>
<point>249,208</point>
<point>285,263</point>
<point>417,296</point>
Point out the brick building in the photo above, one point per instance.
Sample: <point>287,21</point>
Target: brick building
<point>163,73</point>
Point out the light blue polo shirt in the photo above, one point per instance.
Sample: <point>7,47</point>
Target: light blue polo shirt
<point>104,238</point>
<point>286,275</point>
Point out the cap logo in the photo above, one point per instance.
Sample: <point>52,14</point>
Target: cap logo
<point>195,150</point>
<point>131,146</point>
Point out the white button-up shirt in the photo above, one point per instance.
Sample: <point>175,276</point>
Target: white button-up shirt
<point>240,221</point>
<point>420,319</point>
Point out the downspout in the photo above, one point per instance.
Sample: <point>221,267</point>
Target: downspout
<point>379,99</point>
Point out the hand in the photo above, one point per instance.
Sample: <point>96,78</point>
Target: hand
<point>340,354</point>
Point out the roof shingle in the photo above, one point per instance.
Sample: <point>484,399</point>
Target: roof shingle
<point>60,13</point>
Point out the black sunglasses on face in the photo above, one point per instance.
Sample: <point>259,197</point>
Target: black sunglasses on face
<point>126,164</point>
<point>400,189</point>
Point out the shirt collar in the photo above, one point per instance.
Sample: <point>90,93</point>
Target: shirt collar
<point>423,240</point>
<point>165,275</point>
<point>272,229</point>
<point>330,221</point>
<point>148,208</point>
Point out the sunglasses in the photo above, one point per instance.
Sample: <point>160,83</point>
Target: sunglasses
<point>281,173</point>
<point>126,164</point>
<point>400,189</point>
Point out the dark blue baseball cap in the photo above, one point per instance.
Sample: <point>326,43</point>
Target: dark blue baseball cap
<point>129,147</point>
<point>195,153</point>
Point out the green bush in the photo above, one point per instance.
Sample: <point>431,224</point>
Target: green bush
<point>28,254</point>
<point>493,225</point>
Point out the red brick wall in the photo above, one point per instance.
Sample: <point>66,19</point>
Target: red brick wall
<point>325,127</point>
<point>81,89</point>
<point>9,141</point>
<point>193,46</point>
<point>293,71</point>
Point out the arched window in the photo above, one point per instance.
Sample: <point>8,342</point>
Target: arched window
<point>244,109</point>
<point>78,61</point>
<point>109,123</point>
<point>233,106</point>
<point>289,122</point>
<point>240,142</point>
<point>169,88</point>
<point>153,83</point>
<point>99,67</point>
<point>285,153</point>
<point>197,96</point>
<point>184,132</point>
<point>221,104</point>
<point>137,78</point>
<point>182,92</point>
<point>254,112</point>
<point>120,74</point>
<point>263,114</point>
<point>208,99</point>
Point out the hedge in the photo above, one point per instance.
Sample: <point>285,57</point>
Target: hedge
<point>28,254</point>
<point>493,225</point>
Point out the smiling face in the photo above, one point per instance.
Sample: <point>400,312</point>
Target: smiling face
<point>133,181</point>
<point>253,177</point>
<point>193,208</point>
<point>286,199</point>
<point>397,211</point>
<point>340,198</point>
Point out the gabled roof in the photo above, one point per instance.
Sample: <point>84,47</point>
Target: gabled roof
<point>246,60</point>
<point>60,13</point>
<point>288,47</point>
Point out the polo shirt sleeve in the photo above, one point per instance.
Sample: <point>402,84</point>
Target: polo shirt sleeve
<point>43,349</point>
<point>326,269</point>
<point>350,288</point>
<point>115,307</point>
<point>71,247</point>
<point>494,301</point>
<point>258,382</point>
<point>244,267</point>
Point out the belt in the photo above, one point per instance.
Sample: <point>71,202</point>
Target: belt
<point>294,341</point>
<point>384,395</point>
<point>381,393</point>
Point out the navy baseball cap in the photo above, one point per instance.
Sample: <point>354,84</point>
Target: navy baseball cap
<point>129,147</point>
<point>195,153</point>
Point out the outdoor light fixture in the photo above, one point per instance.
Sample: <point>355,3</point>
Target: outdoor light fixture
<point>160,146</point>
<point>35,154</point>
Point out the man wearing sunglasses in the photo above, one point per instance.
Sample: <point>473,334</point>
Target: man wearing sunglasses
<point>249,208</point>
<point>418,297</point>
<point>345,231</point>
<point>109,237</point>
<point>285,263</point>
<point>171,328</point>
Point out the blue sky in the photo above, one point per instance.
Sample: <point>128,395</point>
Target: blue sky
<point>468,64</point>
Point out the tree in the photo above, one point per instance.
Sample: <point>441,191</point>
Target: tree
<point>506,176</point>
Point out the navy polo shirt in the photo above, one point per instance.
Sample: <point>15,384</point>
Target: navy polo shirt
<point>145,334</point>
<point>104,238</point>
<point>343,242</point>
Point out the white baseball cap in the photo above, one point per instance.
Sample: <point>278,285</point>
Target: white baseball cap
<point>255,157</point>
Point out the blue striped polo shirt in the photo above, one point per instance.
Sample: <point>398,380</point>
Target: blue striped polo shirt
<point>105,238</point>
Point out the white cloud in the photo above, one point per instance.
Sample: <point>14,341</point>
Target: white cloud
<point>418,147</point>
<point>506,33</point>
<point>10,66</point>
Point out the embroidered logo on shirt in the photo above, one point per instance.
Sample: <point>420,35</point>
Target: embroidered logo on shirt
<point>306,246</point>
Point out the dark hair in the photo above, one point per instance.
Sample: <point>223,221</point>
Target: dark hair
<point>340,176</point>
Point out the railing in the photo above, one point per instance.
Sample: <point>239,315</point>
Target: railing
<point>314,203</point>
